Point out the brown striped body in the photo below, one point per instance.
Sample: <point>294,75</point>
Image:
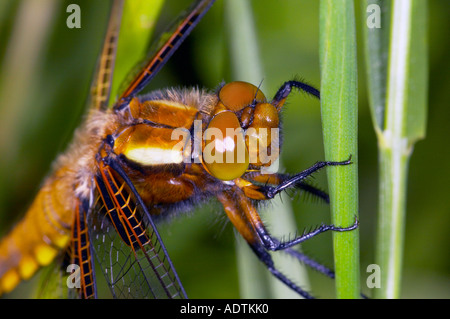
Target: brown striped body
<point>46,228</point>
<point>40,235</point>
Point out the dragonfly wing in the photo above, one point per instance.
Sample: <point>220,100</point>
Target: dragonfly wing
<point>162,49</point>
<point>101,84</point>
<point>127,244</point>
<point>72,274</point>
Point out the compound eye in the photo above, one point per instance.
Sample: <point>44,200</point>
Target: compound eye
<point>237,95</point>
<point>265,115</point>
<point>225,154</point>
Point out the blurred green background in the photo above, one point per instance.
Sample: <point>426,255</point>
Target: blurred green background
<point>44,84</point>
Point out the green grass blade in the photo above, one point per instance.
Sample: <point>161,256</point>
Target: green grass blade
<point>340,127</point>
<point>254,279</point>
<point>405,123</point>
<point>376,54</point>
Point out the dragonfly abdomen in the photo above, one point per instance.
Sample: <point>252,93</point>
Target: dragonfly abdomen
<point>41,234</point>
<point>46,228</point>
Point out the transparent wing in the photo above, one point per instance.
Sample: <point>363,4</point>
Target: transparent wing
<point>127,245</point>
<point>160,51</point>
<point>168,43</point>
<point>101,84</point>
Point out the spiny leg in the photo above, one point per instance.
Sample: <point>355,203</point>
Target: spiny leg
<point>265,257</point>
<point>316,192</point>
<point>237,212</point>
<point>310,262</point>
<point>273,244</point>
<point>265,181</point>
<point>258,192</point>
<point>271,192</point>
<point>263,193</point>
<point>243,214</point>
<point>284,91</point>
<point>314,265</point>
<point>275,183</point>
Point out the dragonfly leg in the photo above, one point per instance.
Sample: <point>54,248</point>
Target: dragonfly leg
<point>276,183</point>
<point>284,91</point>
<point>267,181</point>
<point>272,191</point>
<point>268,192</point>
<point>265,257</point>
<point>314,265</point>
<point>236,212</point>
<point>246,220</point>
<point>271,243</point>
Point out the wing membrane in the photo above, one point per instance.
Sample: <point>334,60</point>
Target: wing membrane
<point>81,252</point>
<point>55,281</point>
<point>127,245</point>
<point>169,43</point>
<point>101,85</point>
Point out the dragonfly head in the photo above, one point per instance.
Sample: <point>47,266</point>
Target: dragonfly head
<point>243,133</point>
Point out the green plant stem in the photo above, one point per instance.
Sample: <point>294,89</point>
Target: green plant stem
<point>340,128</point>
<point>405,122</point>
<point>392,204</point>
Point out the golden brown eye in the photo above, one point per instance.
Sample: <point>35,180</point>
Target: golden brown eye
<point>225,155</point>
<point>265,115</point>
<point>236,95</point>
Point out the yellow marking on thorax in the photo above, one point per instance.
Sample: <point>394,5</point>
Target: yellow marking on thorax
<point>174,104</point>
<point>148,145</point>
<point>154,155</point>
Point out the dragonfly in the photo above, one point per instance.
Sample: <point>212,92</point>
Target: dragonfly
<point>152,156</point>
